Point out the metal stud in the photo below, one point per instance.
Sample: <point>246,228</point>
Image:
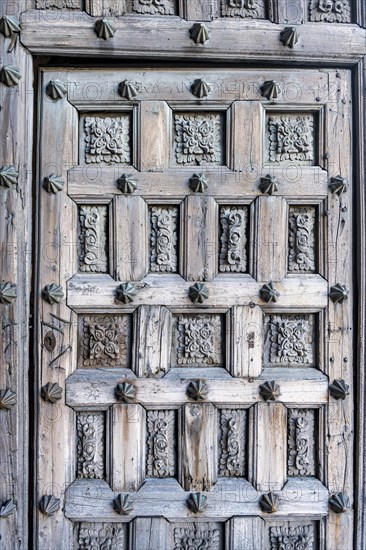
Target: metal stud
<point>125,392</point>
<point>8,176</point>
<point>9,25</point>
<point>53,294</point>
<point>338,293</point>
<point>269,503</point>
<point>289,37</point>
<point>268,293</point>
<point>51,392</point>
<point>199,33</point>
<point>123,504</point>
<point>198,183</point>
<point>197,502</point>
<point>128,90</point>
<point>7,508</point>
<point>126,292</point>
<point>339,389</point>
<point>49,505</point>
<point>268,185</point>
<point>200,88</point>
<point>339,503</point>
<point>198,293</point>
<point>338,185</point>
<point>270,390</point>
<point>8,292</point>
<point>197,390</point>
<point>10,75</point>
<point>271,90</point>
<point>105,28</point>
<point>8,398</point>
<point>127,184</point>
<point>55,89</point>
<point>53,184</point>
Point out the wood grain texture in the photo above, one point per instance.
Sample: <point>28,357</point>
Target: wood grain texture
<point>155,136</point>
<point>149,533</point>
<point>245,533</point>
<point>246,341</point>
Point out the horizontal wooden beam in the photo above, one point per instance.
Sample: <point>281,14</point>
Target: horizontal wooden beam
<point>72,33</point>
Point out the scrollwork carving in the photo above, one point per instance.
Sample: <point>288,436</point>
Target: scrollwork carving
<point>160,444</point>
<point>90,445</point>
<point>154,7</point>
<point>198,139</point>
<point>301,443</point>
<point>233,254</point>
<point>232,443</point>
<point>254,9</point>
<point>292,538</point>
<point>197,536</point>
<point>301,238</point>
<point>330,11</point>
<point>163,239</point>
<point>58,4</point>
<point>102,536</point>
<point>93,239</point>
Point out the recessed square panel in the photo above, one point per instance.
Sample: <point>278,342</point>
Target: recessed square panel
<point>291,137</point>
<point>290,340</point>
<point>199,138</point>
<point>201,535</point>
<point>106,139</point>
<point>152,7</point>
<point>199,341</point>
<point>254,9</point>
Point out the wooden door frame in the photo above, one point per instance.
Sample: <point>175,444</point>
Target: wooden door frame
<point>69,36</point>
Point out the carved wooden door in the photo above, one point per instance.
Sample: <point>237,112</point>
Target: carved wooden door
<point>195,309</point>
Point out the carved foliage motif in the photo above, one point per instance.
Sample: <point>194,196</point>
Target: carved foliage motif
<point>92,239</point>
<point>196,536</point>
<point>291,137</point>
<point>291,339</point>
<point>301,443</point>
<point>233,255</point>
<point>154,7</point>
<point>243,8</point>
<point>160,444</point>
<point>330,11</point>
<point>163,239</point>
<point>198,138</point>
<point>106,341</point>
<point>301,239</point>
<point>232,443</point>
<point>70,4</point>
<point>292,538</point>
<point>101,536</point>
<point>107,139</point>
<point>199,340</point>
<point>90,445</point>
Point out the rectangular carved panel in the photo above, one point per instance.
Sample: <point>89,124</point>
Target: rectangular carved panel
<point>302,245</point>
<point>198,138</point>
<point>290,340</point>
<point>154,7</point>
<point>292,537</point>
<point>90,445</point>
<point>301,442</point>
<point>163,239</point>
<point>93,232</point>
<point>105,341</point>
<point>254,9</point>
<point>161,433</point>
<point>100,536</point>
<point>199,341</point>
<point>330,11</point>
<point>233,238</point>
<point>291,138</point>
<point>232,442</point>
<point>107,139</point>
<point>59,4</point>
<point>197,536</point>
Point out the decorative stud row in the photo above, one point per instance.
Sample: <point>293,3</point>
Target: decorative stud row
<point>338,293</point>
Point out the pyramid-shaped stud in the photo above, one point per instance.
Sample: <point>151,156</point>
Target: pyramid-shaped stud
<point>198,183</point>
<point>105,28</point>
<point>200,88</point>
<point>197,502</point>
<point>269,503</point>
<point>338,185</point>
<point>10,75</point>
<point>268,185</point>
<point>289,37</point>
<point>125,392</point>
<point>270,390</point>
<point>56,90</point>
<point>8,398</point>
<point>49,505</point>
<point>128,90</point>
<point>9,25</point>
<point>339,503</point>
<point>339,389</point>
<point>53,184</point>
<point>338,293</point>
<point>127,184</point>
<point>8,292</point>
<point>198,293</point>
<point>126,293</point>
<point>197,390</point>
<point>7,508</point>
<point>8,176</point>
<point>53,293</point>
<point>123,504</point>
<point>199,33</point>
<point>268,293</point>
<point>271,90</point>
<point>51,392</point>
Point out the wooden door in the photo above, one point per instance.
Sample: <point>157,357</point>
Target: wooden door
<point>195,311</point>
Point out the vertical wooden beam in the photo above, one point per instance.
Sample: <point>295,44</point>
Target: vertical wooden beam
<point>153,336</point>
<point>245,533</point>
<point>247,122</point>
<point>246,341</point>
<point>155,136</point>
<point>149,534</point>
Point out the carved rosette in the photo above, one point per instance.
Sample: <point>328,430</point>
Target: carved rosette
<point>301,240</point>
<point>196,536</point>
<point>291,339</point>
<point>90,445</point>
<point>163,239</point>
<point>153,7</point>
<point>93,256</point>
<point>198,139</point>
<point>291,137</point>
<point>59,4</point>
<point>255,9</point>
<point>102,536</point>
<point>199,340</point>
<point>330,11</point>
<point>301,442</point>
<point>233,254</point>
<point>160,460</point>
<point>292,538</point>
<point>106,340</point>
<point>107,139</point>
<point>232,443</point>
